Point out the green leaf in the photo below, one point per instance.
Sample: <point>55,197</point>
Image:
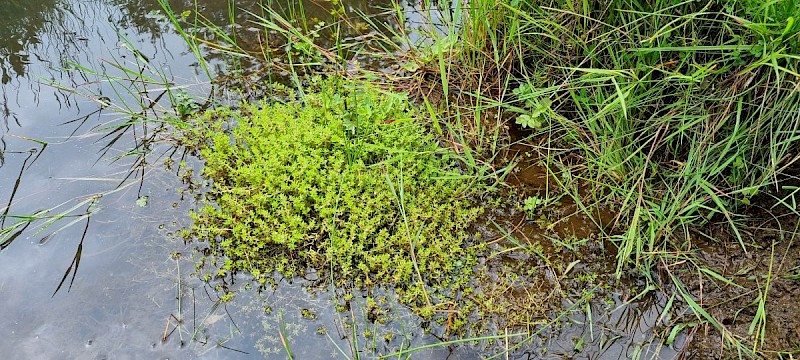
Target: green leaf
<point>142,201</point>
<point>411,66</point>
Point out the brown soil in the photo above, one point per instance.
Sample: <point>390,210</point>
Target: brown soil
<point>770,269</point>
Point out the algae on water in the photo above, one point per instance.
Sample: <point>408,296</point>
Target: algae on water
<point>344,181</point>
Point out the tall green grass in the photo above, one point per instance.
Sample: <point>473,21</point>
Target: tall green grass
<point>681,112</point>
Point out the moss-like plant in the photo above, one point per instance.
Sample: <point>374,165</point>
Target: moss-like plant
<point>344,181</point>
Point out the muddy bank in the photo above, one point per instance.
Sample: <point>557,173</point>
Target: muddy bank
<point>759,304</point>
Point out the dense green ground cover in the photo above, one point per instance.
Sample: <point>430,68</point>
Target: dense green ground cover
<point>343,180</point>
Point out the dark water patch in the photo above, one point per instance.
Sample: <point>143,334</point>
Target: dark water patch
<point>564,269</point>
<point>570,295</point>
<point>539,188</point>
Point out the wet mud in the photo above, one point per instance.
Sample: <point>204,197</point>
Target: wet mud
<point>760,304</point>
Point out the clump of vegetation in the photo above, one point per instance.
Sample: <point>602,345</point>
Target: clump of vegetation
<point>343,180</point>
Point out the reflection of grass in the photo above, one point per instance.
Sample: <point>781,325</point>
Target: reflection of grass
<point>65,216</point>
<point>24,24</point>
<point>189,38</point>
<point>134,90</point>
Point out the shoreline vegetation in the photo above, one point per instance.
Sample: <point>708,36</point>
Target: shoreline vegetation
<point>499,159</point>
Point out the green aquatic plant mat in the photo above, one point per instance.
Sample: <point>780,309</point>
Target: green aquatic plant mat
<point>345,182</point>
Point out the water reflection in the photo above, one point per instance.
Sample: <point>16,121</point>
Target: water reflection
<point>23,21</point>
<point>51,146</point>
<point>56,154</point>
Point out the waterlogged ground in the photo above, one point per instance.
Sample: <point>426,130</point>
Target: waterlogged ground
<point>127,290</point>
<point>764,298</point>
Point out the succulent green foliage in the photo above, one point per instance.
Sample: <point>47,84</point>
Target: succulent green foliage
<point>538,113</point>
<point>344,181</point>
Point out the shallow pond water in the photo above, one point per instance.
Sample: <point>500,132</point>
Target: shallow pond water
<point>64,153</point>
